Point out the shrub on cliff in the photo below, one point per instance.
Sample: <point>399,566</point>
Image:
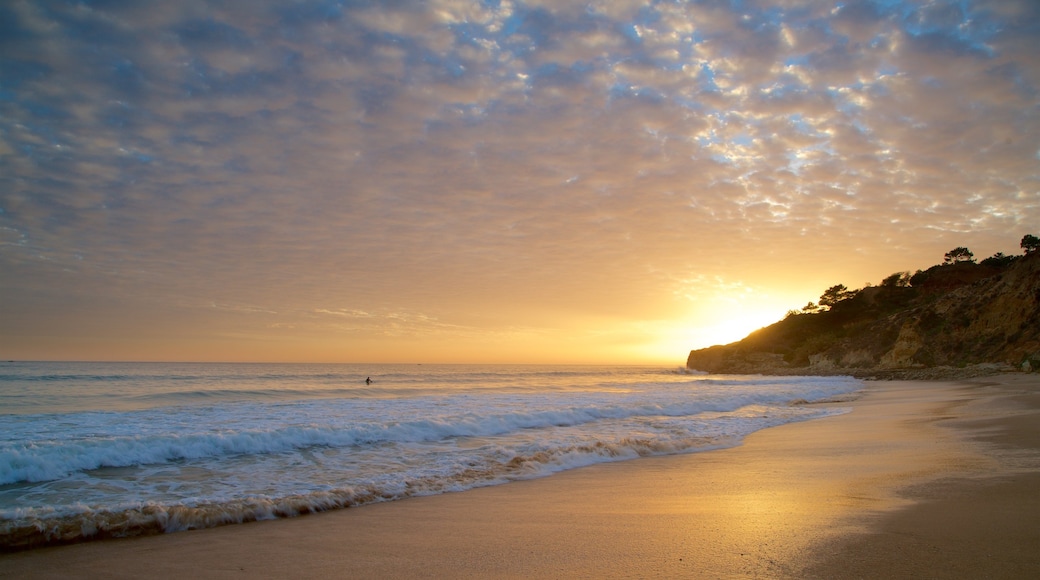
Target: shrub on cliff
<point>1000,260</point>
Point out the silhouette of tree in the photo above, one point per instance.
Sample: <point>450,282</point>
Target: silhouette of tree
<point>999,260</point>
<point>959,254</point>
<point>1030,243</point>
<point>897,280</point>
<point>835,294</point>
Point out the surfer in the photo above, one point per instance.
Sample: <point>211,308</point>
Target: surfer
<point>368,381</point>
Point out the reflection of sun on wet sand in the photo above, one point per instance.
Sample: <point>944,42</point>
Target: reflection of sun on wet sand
<point>930,479</point>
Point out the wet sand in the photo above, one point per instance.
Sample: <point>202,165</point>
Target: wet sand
<point>921,479</point>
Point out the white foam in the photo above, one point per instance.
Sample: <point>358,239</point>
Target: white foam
<point>234,461</point>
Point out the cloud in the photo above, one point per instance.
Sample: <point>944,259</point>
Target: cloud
<point>509,161</point>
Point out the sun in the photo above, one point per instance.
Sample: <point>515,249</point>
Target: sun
<point>711,326</point>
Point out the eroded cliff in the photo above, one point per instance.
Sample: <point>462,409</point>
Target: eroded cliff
<point>955,320</point>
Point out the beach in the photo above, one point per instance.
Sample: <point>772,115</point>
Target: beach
<point>920,479</point>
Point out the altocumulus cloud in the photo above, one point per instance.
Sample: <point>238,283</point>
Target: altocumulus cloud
<point>459,160</point>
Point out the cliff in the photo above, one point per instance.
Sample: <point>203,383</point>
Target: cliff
<point>961,319</point>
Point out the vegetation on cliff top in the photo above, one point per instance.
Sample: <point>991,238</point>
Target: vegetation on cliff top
<point>957,313</point>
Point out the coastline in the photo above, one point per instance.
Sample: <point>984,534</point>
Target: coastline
<point>850,495</point>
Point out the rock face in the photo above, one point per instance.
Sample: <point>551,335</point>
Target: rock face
<point>960,320</point>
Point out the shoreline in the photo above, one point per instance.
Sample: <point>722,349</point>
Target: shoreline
<point>979,522</point>
<point>849,495</point>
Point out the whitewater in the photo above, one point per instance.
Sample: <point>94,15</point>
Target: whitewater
<point>94,450</point>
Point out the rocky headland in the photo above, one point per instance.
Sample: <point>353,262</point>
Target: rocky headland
<point>954,320</point>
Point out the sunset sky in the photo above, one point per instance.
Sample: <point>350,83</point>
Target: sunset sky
<point>491,181</point>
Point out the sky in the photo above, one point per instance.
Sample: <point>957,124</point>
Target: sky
<point>459,181</point>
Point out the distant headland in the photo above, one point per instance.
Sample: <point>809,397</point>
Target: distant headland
<point>956,319</point>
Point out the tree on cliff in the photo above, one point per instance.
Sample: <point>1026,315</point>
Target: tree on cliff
<point>960,254</point>
<point>835,294</point>
<point>1030,243</point>
<point>897,280</point>
<point>999,260</point>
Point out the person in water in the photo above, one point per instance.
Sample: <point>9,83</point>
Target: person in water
<point>368,381</point>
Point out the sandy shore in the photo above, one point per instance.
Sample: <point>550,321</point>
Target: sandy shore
<point>921,479</point>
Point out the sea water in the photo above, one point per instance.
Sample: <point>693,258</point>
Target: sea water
<point>105,449</point>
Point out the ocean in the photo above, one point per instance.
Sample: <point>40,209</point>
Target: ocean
<point>92,450</point>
